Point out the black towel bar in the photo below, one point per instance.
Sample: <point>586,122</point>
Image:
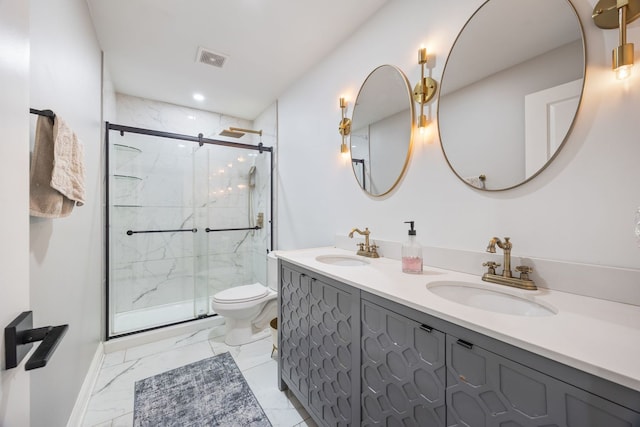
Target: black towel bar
<point>131,232</point>
<point>212,230</point>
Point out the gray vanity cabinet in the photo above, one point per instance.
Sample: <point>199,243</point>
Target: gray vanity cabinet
<point>403,370</point>
<point>354,358</point>
<point>486,389</point>
<point>319,354</point>
<point>293,346</point>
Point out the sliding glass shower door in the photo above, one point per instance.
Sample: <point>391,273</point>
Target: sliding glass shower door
<point>184,222</point>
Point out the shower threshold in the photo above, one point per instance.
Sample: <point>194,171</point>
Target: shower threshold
<point>153,317</point>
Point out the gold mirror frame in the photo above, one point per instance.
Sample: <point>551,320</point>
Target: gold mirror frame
<point>484,175</point>
<point>355,126</point>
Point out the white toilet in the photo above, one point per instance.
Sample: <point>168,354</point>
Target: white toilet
<point>248,309</point>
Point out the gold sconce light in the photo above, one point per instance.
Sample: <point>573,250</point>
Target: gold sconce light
<point>424,90</point>
<point>344,128</point>
<point>617,14</point>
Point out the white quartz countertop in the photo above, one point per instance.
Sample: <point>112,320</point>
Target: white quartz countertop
<point>597,336</point>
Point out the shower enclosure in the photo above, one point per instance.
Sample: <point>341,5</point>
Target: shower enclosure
<point>187,217</point>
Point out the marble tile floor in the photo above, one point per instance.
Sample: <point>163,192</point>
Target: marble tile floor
<point>111,403</point>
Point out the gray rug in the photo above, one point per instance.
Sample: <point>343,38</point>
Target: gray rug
<point>211,392</point>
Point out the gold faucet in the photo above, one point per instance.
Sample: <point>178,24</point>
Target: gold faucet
<point>365,249</point>
<point>506,247</point>
<point>506,278</point>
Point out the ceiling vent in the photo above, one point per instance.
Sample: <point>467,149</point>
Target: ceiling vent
<point>208,57</point>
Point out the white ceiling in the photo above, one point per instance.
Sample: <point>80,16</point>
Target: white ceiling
<point>150,46</point>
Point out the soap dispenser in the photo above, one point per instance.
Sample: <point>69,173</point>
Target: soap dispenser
<point>411,253</point>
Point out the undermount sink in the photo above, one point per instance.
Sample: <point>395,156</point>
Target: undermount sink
<point>474,295</point>
<point>342,260</point>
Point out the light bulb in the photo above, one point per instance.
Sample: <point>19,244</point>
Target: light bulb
<point>622,58</point>
<point>623,72</point>
<point>422,123</point>
<point>344,150</point>
<point>422,55</point>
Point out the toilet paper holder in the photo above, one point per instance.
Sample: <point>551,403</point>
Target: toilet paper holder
<point>19,337</point>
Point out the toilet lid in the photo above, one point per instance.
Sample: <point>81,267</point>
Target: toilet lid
<point>241,293</point>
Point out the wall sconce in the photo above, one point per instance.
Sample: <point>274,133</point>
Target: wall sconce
<point>617,14</point>
<point>344,128</point>
<point>424,90</point>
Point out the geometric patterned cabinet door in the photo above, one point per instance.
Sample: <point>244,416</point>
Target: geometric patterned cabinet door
<point>294,330</point>
<point>330,353</point>
<point>485,389</point>
<point>403,370</point>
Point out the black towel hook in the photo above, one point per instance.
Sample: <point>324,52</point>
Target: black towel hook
<point>19,337</point>
<point>45,113</point>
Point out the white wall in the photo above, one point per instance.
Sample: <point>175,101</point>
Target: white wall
<point>580,209</point>
<point>66,265</point>
<point>109,110</point>
<point>14,194</point>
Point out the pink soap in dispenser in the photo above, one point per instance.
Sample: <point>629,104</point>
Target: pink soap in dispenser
<point>411,253</point>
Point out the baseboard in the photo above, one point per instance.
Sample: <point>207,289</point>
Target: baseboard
<point>82,402</point>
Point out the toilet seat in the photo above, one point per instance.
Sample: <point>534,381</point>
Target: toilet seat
<point>240,294</point>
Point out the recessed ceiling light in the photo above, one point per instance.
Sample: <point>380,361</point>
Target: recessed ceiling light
<point>198,97</point>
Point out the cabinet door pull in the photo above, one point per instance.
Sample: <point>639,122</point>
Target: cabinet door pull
<point>465,344</point>
<point>426,328</point>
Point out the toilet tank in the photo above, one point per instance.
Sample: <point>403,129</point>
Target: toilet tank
<point>272,271</point>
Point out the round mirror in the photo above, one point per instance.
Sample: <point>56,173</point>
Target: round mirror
<point>510,91</point>
<point>381,130</point>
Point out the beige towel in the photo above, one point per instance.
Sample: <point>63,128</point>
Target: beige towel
<point>68,166</point>
<point>57,156</point>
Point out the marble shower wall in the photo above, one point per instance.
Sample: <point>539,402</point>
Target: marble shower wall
<point>159,183</point>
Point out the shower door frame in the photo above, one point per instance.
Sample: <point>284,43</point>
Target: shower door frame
<point>201,141</point>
